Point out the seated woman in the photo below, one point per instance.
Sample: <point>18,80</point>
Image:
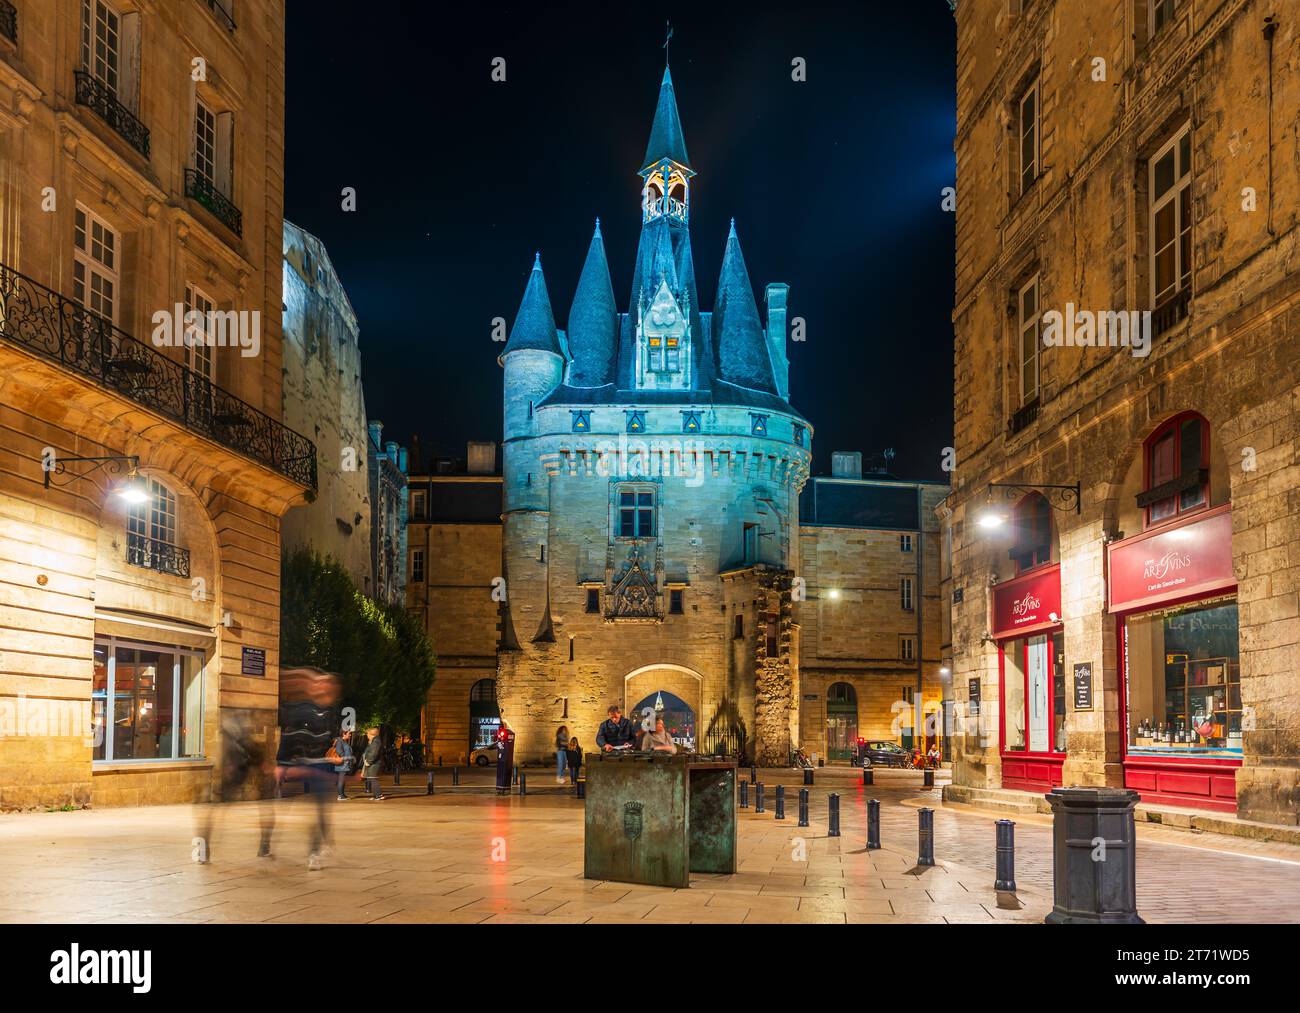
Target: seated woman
<point>659,741</point>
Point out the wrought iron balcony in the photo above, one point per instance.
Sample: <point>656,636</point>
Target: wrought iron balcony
<point>1171,312</point>
<point>98,96</point>
<point>155,554</point>
<point>206,193</point>
<point>1023,418</point>
<point>219,11</point>
<point>55,327</point>
<point>9,21</point>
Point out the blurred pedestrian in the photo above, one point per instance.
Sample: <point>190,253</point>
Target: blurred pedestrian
<point>308,715</point>
<point>561,753</point>
<point>244,763</point>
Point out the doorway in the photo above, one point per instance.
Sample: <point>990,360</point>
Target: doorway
<point>484,714</point>
<point>841,722</point>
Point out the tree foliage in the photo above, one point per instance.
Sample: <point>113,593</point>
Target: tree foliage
<point>380,652</point>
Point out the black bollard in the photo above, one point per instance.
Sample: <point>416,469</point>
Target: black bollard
<point>925,834</point>
<point>516,774</point>
<point>753,775</point>
<point>873,824</point>
<point>439,761</point>
<point>428,787</point>
<point>1092,886</point>
<point>928,778</point>
<point>580,787</point>
<point>455,775</point>
<point>397,773</point>
<point>523,784</point>
<point>807,775</point>
<point>803,807</point>
<point>868,778</point>
<point>758,797</point>
<point>744,794</point>
<point>780,801</point>
<point>1006,838</point>
<point>834,817</point>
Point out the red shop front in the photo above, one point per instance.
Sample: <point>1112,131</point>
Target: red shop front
<point>1174,593</point>
<point>1031,674</point>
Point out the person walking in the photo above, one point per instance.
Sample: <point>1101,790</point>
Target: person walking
<point>309,715</point>
<point>371,760</point>
<point>343,749</point>
<point>573,755</point>
<point>561,753</point>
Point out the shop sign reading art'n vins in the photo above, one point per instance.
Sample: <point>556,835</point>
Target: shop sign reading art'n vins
<point>1028,602</point>
<point>1192,558</point>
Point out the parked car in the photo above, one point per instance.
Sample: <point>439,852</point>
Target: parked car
<point>885,754</point>
<point>484,756</point>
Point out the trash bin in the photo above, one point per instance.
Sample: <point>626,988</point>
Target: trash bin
<point>655,819</point>
<point>505,758</point>
<point>1094,862</point>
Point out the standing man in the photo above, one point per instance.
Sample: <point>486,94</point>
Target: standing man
<point>615,732</point>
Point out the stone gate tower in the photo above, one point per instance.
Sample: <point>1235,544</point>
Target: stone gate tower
<point>652,469</point>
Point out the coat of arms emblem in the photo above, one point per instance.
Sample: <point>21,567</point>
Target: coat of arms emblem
<point>632,820</point>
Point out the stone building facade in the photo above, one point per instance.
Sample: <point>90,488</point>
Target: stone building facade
<point>652,468</point>
<point>869,631</point>
<point>323,399</point>
<point>454,539</point>
<point>144,463</point>
<point>386,465</point>
<point>1136,623</point>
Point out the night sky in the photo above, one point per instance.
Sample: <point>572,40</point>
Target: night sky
<point>834,184</point>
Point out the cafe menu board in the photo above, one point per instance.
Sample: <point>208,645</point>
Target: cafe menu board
<point>252,661</point>
<point>1083,686</point>
<point>974,687</point>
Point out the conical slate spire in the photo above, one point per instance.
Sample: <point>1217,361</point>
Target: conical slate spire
<point>666,140</point>
<point>534,323</point>
<point>742,348</point>
<point>593,321</point>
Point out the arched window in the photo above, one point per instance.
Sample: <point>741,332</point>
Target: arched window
<point>841,693</point>
<point>1176,475</point>
<point>483,691</point>
<point>1032,521</point>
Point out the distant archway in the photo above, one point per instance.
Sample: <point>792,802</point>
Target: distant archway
<point>678,717</point>
<point>484,714</point>
<point>841,722</point>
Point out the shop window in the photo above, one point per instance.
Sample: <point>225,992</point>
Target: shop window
<point>636,513</point>
<point>1183,681</point>
<point>1032,524</point>
<point>1033,694</point>
<point>147,701</point>
<point>1176,469</point>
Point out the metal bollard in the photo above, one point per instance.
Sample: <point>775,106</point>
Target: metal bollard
<point>439,761</point>
<point>780,801</point>
<point>925,834</point>
<point>580,786</point>
<point>807,775</point>
<point>397,773</point>
<point>744,794</point>
<point>516,774</point>
<point>1006,874</point>
<point>758,797</point>
<point>428,787</point>
<point>523,784</point>
<point>455,776</point>
<point>928,776</point>
<point>873,824</point>
<point>868,777</point>
<point>753,775</point>
<point>1085,890</point>
<point>803,807</point>
<point>834,817</point>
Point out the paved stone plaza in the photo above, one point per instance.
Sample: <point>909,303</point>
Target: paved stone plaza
<point>413,858</point>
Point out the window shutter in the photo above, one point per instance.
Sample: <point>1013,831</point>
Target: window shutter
<point>130,71</point>
<point>226,154</point>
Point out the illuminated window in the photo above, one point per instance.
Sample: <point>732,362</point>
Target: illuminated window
<point>1177,474</point>
<point>94,264</point>
<point>799,435</point>
<point>758,424</point>
<point>636,513</point>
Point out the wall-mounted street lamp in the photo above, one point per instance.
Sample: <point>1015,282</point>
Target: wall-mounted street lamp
<point>132,488</point>
<point>1058,497</point>
<point>833,594</point>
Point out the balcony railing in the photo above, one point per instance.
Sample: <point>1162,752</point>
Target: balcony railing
<point>94,93</point>
<point>219,11</point>
<point>156,554</point>
<point>1024,417</point>
<point>55,327</point>
<point>1170,313</point>
<point>206,193</point>
<point>9,21</point>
